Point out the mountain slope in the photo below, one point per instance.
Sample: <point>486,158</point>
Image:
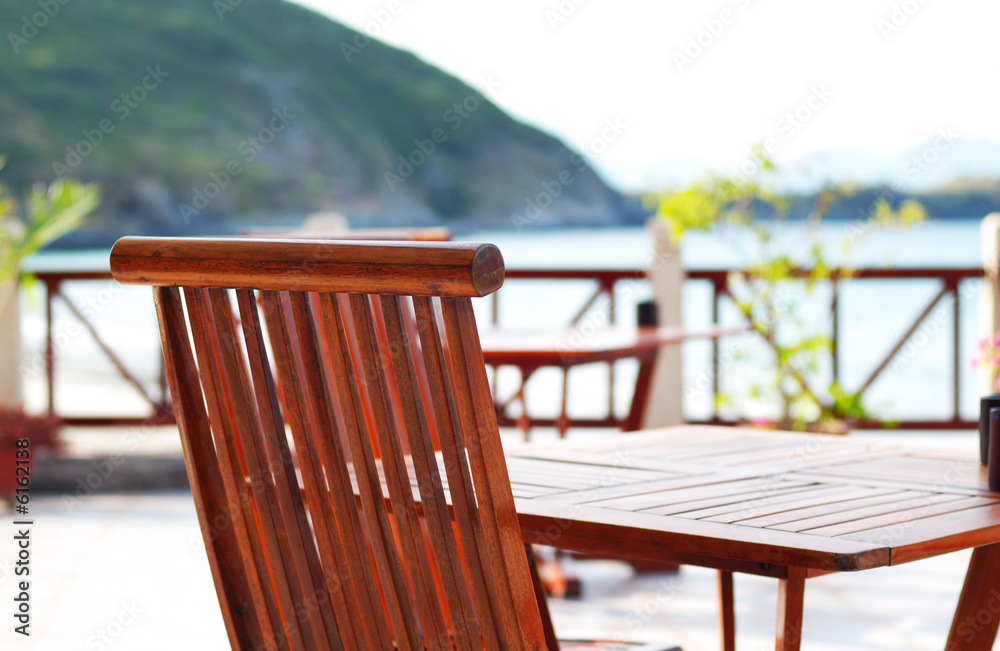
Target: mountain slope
<point>194,115</point>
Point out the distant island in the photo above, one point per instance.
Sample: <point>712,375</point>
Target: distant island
<point>199,120</point>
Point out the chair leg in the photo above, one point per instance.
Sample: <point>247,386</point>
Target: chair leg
<point>543,601</point>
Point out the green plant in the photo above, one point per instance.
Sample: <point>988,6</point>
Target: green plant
<point>47,213</point>
<point>749,210</point>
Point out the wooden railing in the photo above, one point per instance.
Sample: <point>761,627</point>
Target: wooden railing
<point>604,283</point>
<point>949,281</point>
<point>161,412</point>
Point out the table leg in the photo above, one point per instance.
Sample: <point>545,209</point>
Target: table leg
<point>974,627</point>
<point>524,421</point>
<point>791,594</point>
<point>727,612</point>
<point>643,383</point>
<point>562,424</point>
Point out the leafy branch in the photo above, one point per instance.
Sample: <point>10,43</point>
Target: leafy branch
<point>799,351</point>
<point>45,214</point>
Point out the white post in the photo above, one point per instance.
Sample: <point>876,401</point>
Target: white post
<point>10,345</point>
<point>666,275</point>
<point>989,295</point>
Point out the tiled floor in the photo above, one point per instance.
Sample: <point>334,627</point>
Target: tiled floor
<point>128,572</point>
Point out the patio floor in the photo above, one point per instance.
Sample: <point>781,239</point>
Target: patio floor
<point>129,572</point>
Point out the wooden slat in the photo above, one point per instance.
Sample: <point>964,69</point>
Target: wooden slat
<point>415,268</point>
<point>904,508</point>
<point>823,475</point>
<point>457,466</point>
<point>335,520</point>
<point>939,506</point>
<point>765,504</point>
<point>498,587</point>
<point>600,530</point>
<point>911,541</point>
<point>710,487</point>
<point>257,473</point>
<point>244,624</point>
<point>348,548</point>
<point>228,458</point>
<point>296,532</point>
<point>404,510</point>
<point>805,513</point>
<point>425,464</point>
<point>785,491</point>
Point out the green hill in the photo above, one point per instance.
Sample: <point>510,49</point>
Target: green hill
<point>201,117</point>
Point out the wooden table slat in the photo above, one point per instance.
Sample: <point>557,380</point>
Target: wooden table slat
<point>642,499</point>
<point>767,504</point>
<point>902,508</point>
<point>889,519</point>
<point>841,506</point>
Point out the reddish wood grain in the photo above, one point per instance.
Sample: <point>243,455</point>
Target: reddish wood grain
<point>415,268</point>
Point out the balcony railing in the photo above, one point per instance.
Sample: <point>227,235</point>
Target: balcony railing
<point>600,296</point>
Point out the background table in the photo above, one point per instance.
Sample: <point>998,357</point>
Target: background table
<point>529,350</point>
<point>789,506</point>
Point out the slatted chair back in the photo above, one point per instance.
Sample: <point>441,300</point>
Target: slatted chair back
<point>312,382</point>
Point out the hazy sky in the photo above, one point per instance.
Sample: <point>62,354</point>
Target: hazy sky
<point>694,85</point>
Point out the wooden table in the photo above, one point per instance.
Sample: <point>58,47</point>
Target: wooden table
<point>789,506</point>
<point>529,350</point>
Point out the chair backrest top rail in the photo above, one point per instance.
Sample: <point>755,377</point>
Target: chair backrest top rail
<point>371,267</point>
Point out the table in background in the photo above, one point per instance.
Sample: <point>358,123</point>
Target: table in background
<point>530,350</point>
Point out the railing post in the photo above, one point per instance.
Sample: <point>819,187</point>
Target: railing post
<point>989,295</point>
<point>835,327</point>
<point>956,366</point>
<point>52,287</point>
<point>717,292</point>
<point>666,276</point>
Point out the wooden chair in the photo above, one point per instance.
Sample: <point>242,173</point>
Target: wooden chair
<point>310,420</point>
